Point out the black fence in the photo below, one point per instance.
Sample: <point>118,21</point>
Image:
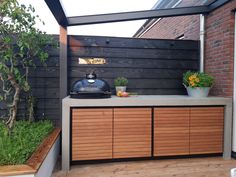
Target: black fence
<point>152,66</point>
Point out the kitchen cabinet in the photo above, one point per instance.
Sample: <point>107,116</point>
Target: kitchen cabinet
<point>219,108</point>
<point>112,133</point>
<point>171,131</point>
<point>188,130</point>
<point>132,132</point>
<point>92,134</point>
<point>206,130</point>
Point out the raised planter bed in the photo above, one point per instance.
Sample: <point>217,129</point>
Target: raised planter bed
<point>42,161</point>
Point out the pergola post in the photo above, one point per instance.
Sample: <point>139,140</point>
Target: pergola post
<point>63,65</point>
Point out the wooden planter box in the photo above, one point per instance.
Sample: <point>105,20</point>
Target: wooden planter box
<point>41,163</point>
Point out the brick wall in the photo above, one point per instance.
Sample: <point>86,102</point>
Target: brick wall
<point>173,27</point>
<point>219,48</point>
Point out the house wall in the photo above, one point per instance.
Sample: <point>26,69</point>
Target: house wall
<point>174,27</point>
<point>219,48</point>
<point>219,42</point>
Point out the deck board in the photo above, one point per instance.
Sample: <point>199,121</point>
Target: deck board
<point>194,167</point>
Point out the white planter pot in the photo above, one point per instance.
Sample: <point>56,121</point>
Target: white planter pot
<point>120,88</point>
<point>198,91</point>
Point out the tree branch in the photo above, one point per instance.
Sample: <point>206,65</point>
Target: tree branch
<point>6,92</point>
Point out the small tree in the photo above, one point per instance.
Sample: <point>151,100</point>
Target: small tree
<point>21,44</point>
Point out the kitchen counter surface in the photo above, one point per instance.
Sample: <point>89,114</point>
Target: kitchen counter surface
<point>144,100</point>
<point>147,100</point>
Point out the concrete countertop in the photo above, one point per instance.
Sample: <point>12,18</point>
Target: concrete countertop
<point>147,100</point>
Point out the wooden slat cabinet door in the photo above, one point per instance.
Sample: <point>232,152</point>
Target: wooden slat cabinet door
<point>171,131</point>
<point>206,130</point>
<point>92,134</point>
<point>132,132</point>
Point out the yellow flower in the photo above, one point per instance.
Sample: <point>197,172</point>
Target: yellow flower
<point>194,76</point>
<point>190,78</point>
<point>197,80</point>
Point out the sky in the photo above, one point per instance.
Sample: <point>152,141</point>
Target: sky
<point>89,7</point>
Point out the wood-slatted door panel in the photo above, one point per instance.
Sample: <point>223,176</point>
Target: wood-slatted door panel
<point>91,134</point>
<point>171,131</point>
<point>206,130</point>
<point>132,132</point>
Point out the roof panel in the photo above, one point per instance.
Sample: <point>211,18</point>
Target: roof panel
<point>92,7</point>
<point>164,4</point>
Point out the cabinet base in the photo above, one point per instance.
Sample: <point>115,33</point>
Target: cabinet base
<point>233,154</point>
<point>144,158</point>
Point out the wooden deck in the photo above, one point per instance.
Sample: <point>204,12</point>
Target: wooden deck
<point>194,167</point>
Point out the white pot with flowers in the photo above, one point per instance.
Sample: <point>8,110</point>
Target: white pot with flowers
<point>198,84</point>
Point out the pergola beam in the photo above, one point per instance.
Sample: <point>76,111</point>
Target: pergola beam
<point>217,4</point>
<point>137,15</point>
<point>57,11</point>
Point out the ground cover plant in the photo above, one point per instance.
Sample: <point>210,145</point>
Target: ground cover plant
<point>18,145</point>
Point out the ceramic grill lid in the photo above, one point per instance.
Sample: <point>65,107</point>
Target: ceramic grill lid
<point>90,87</point>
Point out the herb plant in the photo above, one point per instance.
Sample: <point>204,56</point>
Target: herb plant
<point>121,81</point>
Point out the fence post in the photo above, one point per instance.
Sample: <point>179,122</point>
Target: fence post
<point>63,67</point>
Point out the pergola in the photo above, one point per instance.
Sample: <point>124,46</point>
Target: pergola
<point>58,11</point>
<point>59,14</point>
<point>205,7</point>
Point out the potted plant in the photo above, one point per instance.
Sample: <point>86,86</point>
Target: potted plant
<point>198,84</point>
<point>120,84</point>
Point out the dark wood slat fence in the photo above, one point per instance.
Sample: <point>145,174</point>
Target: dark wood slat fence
<point>152,67</point>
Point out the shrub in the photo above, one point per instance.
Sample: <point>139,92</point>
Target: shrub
<point>197,79</point>
<point>19,144</point>
<point>22,45</point>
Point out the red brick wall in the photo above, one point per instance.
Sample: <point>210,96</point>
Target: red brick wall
<point>219,48</point>
<point>173,27</point>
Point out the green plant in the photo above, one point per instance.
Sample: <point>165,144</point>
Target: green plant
<point>21,45</point>
<point>197,79</point>
<point>18,145</point>
<point>121,81</point>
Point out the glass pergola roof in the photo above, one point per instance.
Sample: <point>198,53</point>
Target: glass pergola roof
<point>93,7</point>
<point>80,12</point>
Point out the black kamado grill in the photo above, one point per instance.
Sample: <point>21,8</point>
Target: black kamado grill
<point>90,87</point>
